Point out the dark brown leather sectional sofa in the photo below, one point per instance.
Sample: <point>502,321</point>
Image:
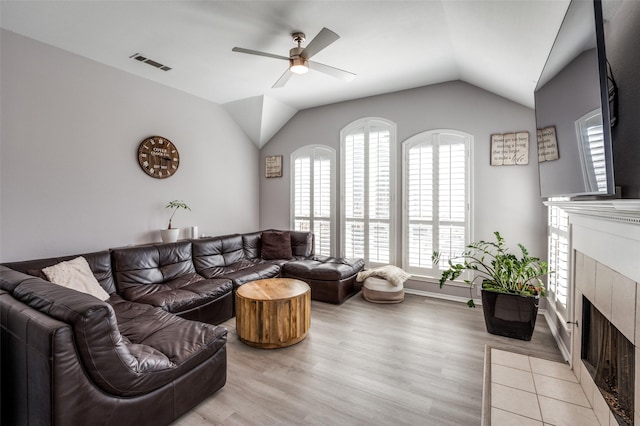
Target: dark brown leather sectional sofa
<point>149,353</point>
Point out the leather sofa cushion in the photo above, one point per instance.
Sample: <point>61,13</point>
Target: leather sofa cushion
<point>153,349</point>
<point>250,272</point>
<point>255,272</point>
<point>252,244</point>
<point>221,271</point>
<point>302,243</point>
<point>217,252</point>
<point>10,278</point>
<point>183,293</point>
<point>99,262</point>
<point>153,264</point>
<point>324,268</point>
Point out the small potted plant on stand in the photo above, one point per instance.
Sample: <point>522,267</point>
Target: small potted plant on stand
<point>170,234</point>
<point>511,285</point>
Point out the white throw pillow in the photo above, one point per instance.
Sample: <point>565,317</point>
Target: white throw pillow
<point>77,275</point>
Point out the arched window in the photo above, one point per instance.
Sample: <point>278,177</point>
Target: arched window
<point>368,170</point>
<point>312,195</point>
<point>436,193</point>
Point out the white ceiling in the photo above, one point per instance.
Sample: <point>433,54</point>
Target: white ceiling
<point>500,46</point>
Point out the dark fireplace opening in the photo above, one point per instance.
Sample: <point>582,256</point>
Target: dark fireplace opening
<point>610,359</point>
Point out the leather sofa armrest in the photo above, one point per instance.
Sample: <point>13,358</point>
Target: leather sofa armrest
<point>31,342</point>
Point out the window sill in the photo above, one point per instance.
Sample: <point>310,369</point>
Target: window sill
<point>432,280</point>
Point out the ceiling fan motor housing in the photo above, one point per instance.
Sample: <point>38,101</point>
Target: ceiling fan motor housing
<point>297,63</point>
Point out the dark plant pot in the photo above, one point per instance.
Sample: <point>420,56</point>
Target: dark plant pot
<point>510,315</point>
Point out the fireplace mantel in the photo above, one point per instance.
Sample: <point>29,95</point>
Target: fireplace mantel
<point>608,231</point>
<point>627,210</point>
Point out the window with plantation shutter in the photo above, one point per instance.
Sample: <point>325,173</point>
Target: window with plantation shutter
<point>312,195</point>
<point>367,217</point>
<point>558,236</point>
<point>436,188</point>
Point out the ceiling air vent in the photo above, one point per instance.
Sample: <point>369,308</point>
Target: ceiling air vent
<point>139,57</point>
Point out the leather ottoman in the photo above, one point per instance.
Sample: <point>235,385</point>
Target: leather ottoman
<point>331,279</point>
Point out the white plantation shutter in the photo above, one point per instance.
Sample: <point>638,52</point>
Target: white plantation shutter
<point>558,235</point>
<point>312,196</point>
<point>367,182</point>
<point>436,193</point>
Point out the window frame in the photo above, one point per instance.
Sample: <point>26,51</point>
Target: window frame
<point>366,124</point>
<point>429,137</point>
<point>310,151</point>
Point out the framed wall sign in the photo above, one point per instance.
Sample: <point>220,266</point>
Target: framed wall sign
<point>509,149</point>
<point>273,166</point>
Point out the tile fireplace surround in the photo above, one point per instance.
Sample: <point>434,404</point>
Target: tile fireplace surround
<point>605,242</point>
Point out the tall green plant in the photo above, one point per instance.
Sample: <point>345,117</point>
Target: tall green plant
<point>175,205</point>
<point>497,268</point>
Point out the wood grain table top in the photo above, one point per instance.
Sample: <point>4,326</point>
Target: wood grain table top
<point>273,289</point>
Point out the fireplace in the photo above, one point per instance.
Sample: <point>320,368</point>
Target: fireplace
<point>609,358</point>
<point>604,241</point>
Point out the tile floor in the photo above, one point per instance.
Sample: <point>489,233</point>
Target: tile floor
<point>533,391</point>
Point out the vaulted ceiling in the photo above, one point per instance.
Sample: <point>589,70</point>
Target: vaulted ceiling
<point>500,46</point>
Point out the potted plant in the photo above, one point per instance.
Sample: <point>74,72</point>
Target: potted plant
<point>170,234</point>
<point>511,284</point>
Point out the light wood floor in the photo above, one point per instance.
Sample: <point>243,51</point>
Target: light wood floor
<point>419,362</point>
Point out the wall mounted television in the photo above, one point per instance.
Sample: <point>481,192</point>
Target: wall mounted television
<point>572,108</point>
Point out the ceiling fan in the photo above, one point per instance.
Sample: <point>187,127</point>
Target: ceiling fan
<point>299,62</point>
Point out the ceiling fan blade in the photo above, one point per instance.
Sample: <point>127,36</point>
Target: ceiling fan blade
<point>332,71</point>
<point>255,52</point>
<point>324,38</point>
<point>283,79</point>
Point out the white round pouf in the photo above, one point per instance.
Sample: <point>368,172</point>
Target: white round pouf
<point>379,290</point>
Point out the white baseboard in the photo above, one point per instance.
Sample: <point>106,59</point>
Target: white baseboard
<point>449,297</point>
<point>548,316</point>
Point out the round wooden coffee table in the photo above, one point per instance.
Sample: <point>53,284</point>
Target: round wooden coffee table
<point>273,313</point>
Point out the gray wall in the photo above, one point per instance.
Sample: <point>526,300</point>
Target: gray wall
<point>505,198</point>
<point>69,172</point>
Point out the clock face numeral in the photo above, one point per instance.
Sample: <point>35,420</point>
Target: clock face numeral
<point>158,157</point>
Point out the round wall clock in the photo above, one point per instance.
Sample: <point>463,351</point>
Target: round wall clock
<point>158,157</point>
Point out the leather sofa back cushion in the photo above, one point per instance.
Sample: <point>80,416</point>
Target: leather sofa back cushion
<point>154,264</point>
<point>302,244</point>
<point>99,262</point>
<point>217,251</point>
<point>251,243</point>
<point>276,245</point>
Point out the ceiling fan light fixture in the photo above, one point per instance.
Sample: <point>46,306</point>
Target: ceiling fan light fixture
<point>298,65</point>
